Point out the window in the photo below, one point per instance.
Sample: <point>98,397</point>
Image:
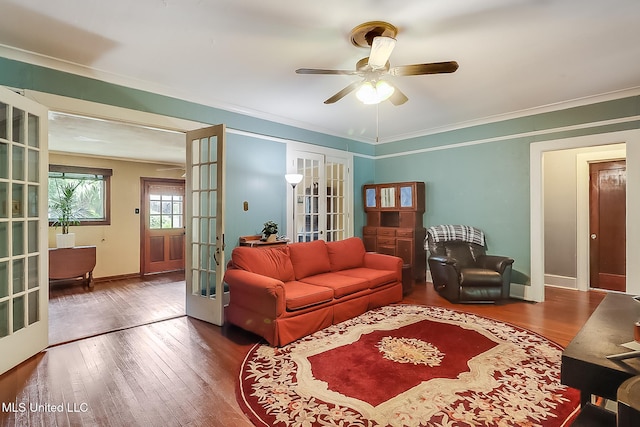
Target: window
<point>165,211</point>
<point>92,192</point>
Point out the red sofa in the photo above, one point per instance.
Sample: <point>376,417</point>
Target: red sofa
<point>286,292</point>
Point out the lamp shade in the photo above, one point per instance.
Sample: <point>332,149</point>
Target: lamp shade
<point>369,94</point>
<point>293,178</point>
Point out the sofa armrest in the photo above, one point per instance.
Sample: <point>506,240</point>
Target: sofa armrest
<point>261,294</point>
<point>495,262</point>
<point>383,262</point>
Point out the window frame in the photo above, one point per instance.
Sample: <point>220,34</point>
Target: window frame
<point>106,173</point>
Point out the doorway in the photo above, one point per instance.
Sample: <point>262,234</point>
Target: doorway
<point>162,225</point>
<point>607,225</point>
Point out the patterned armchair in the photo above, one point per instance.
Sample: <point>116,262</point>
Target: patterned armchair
<point>461,270</point>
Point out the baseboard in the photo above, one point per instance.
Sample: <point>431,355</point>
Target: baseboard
<point>118,277</point>
<point>560,281</point>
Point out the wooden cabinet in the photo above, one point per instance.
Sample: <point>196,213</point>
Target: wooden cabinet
<point>394,222</point>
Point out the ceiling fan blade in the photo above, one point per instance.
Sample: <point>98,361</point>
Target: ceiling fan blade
<point>338,96</point>
<point>419,69</point>
<point>381,49</point>
<point>321,71</point>
<point>397,97</point>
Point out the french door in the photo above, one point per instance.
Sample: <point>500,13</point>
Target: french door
<point>320,207</point>
<point>205,262</point>
<point>24,290</point>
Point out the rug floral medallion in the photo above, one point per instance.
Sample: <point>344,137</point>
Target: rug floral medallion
<point>407,365</point>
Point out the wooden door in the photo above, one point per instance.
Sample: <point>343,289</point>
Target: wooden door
<point>607,225</point>
<point>163,225</point>
<point>24,258</point>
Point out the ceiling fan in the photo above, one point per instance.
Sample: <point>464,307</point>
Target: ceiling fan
<point>380,38</point>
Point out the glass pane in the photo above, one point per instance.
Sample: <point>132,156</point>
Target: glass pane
<point>406,197</point>
<point>18,313</point>
<point>214,202</point>
<point>4,110</point>
<point>195,152</point>
<point>204,256</point>
<point>4,200</point>
<point>204,151</point>
<point>4,239</point>
<point>17,201</point>
<point>204,176</point>
<point>195,229</point>
<point>18,275</point>
<point>154,221</point>
<point>214,176</point>
<point>32,201</point>
<point>4,318</point>
<point>34,130</point>
<point>204,232</point>
<point>154,207</point>
<point>213,148</point>
<point>204,203</point>
<point>194,258</point>
<point>202,280</point>
<point>195,177</point>
<point>32,237</point>
<point>4,160</point>
<point>370,194</point>
<point>4,279</point>
<point>17,160</point>
<point>387,197</point>
<point>33,167</point>
<point>212,284</point>
<point>32,272</point>
<point>18,125</point>
<point>34,307</point>
<point>18,238</point>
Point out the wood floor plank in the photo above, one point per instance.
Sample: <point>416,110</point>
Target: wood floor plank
<point>182,371</point>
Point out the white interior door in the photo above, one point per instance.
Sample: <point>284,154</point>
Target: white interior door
<point>205,261</point>
<point>24,289</point>
<point>322,199</point>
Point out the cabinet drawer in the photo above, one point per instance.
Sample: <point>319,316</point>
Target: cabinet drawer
<point>386,241</point>
<point>369,230</point>
<point>386,231</point>
<point>404,233</point>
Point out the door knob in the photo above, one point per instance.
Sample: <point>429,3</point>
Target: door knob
<point>593,236</point>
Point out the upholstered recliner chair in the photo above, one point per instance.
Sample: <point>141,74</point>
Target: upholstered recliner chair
<point>461,271</point>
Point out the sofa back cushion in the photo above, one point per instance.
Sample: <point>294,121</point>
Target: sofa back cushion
<point>346,254</point>
<point>309,258</point>
<point>271,262</point>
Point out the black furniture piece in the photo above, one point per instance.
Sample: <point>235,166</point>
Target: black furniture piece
<point>461,271</point>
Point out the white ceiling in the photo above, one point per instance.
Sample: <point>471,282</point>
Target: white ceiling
<point>515,56</point>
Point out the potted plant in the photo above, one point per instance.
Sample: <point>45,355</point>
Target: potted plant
<point>269,231</point>
<point>63,208</point>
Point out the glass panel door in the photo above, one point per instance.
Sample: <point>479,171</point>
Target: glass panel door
<point>322,199</point>
<point>205,262</point>
<point>24,288</point>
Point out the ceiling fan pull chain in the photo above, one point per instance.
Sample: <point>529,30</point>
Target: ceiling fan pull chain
<point>377,121</point>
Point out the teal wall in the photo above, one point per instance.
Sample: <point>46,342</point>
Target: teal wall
<point>480,175</point>
<point>477,175</point>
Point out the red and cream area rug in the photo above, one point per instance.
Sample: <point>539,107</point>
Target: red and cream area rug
<point>409,365</point>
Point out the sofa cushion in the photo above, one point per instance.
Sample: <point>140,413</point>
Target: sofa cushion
<point>271,262</point>
<point>309,258</point>
<point>299,295</point>
<point>342,285</point>
<point>344,254</point>
<point>374,277</point>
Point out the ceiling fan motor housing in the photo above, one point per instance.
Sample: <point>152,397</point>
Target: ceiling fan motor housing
<point>363,34</point>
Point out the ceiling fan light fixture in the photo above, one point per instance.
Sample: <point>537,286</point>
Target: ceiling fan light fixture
<point>370,94</point>
<point>381,49</point>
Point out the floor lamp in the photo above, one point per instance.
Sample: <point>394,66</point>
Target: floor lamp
<point>293,179</point>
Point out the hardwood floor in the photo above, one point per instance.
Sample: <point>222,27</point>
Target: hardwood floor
<point>182,371</point>
<point>76,313</point>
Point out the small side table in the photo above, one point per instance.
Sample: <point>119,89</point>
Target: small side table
<point>72,263</point>
<point>629,403</point>
<point>255,242</point>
